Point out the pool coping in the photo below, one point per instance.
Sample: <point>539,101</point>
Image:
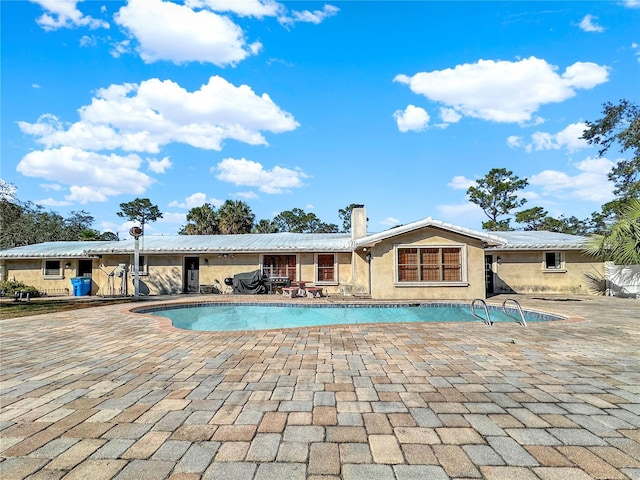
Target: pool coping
<point>165,324</point>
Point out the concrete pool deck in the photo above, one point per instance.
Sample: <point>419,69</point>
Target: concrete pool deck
<point>101,393</point>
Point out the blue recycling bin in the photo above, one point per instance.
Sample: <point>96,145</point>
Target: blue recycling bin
<point>81,286</point>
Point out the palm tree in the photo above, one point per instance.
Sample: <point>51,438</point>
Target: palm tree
<point>235,217</point>
<point>202,221</point>
<point>622,243</point>
<point>265,226</point>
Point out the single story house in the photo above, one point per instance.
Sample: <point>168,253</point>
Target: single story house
<point>426,259</point>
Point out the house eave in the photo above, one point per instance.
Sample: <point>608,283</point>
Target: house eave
<point>521,248</point>
<point>374,239</point>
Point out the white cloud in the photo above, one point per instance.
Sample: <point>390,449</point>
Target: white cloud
<point>177,33</point>
<point>244,8</point>
<point>588,24</point>
<point>65,14</point>
<point>514,141</point>
<point>107,226</point>
<point>154,113</point>
<point>390,222</point>
<point>51,202</point>
<point>585,75</point>
<point>411,118</point>
<point>460,183</point>
<point>590,184</point>
<point>196,200</point>
<point>120,48</point>
<point>569,138</point>
<point>636,50</point>
<point>51,186</point>
<point>252,174</point>
<point>88,41</point>
<point>450,115</point>
<point>36,86</point>
<point>307,16</point>
<point>631,3</point>
<point>179,218</point>
<point>504,91</point>
<point>466,214</point>
<point>92,177</point>
<point>159,166</point>
<point>529,195</point>
<point>246,195</point>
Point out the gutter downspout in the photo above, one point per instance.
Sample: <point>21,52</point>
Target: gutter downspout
<point>368,257</point>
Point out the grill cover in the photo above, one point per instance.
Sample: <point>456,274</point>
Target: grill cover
<point>250,283</point>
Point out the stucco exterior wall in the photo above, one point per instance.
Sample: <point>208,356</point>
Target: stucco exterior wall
<point>218,268</point>
<point>30,272</point>
<point>165,273</point>
<point>517,271</point>
<point>308,273</point>
<point>524,272</point>
<point>345,273</point>
<point>163,276</point>
<point>383,284</point>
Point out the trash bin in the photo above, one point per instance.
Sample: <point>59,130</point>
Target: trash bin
<point>81,286</point>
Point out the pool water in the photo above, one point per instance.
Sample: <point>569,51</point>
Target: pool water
<point>236,317</point>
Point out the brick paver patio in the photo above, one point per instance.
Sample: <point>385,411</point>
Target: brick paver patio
<point>102,393</point>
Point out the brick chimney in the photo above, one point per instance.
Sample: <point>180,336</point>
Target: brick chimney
<point>358,222</point>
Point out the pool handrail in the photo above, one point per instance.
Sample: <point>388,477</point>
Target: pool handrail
<point>520,320</point>
<point>486,311</point>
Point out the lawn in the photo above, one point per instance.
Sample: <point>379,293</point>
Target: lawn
<point>11,309</point>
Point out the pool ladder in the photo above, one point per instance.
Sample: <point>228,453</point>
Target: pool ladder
<point>487,318</point>
<point>520,320</point>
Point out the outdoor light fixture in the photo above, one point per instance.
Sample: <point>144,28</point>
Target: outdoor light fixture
<point>206,260</point>
<point>67,265</point>
<point>499,260</point>
<point>224,255</point>
<point>368,257</point>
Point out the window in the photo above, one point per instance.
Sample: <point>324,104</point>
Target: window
<point>553,261</point>
<point>429,264</point>
<point>326,268</point>
<point>280,266</point>
<point>52,269</point>
<point>143,268</point>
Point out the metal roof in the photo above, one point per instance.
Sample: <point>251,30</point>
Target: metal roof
<point>53,250</point>
<point>288,242</point>
<point>258,242</point>
<point>538,241</point>
<point>264,243</point>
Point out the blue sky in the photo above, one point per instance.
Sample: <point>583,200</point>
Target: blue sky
<point>396,105</point>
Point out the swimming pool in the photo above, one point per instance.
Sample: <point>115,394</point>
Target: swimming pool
<point>214,317</point>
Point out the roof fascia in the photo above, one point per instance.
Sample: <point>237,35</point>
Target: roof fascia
<point>376,238</point>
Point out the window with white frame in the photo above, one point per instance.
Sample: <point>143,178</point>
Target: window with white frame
<point>326,268</point>
<point>52,269</point>
<point>430,264</point>
<point>143,268</point>
<point>553,261</point>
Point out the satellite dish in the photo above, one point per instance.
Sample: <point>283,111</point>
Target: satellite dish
<point>135,232</point>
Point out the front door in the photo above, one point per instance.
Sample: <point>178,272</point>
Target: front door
<point>85,268</point>
<point>488,274</point>
<point>191,281</point>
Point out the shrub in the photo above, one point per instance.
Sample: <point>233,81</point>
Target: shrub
<point>10,287</point>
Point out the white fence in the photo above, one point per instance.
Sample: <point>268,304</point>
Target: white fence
<point>622,280</point>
